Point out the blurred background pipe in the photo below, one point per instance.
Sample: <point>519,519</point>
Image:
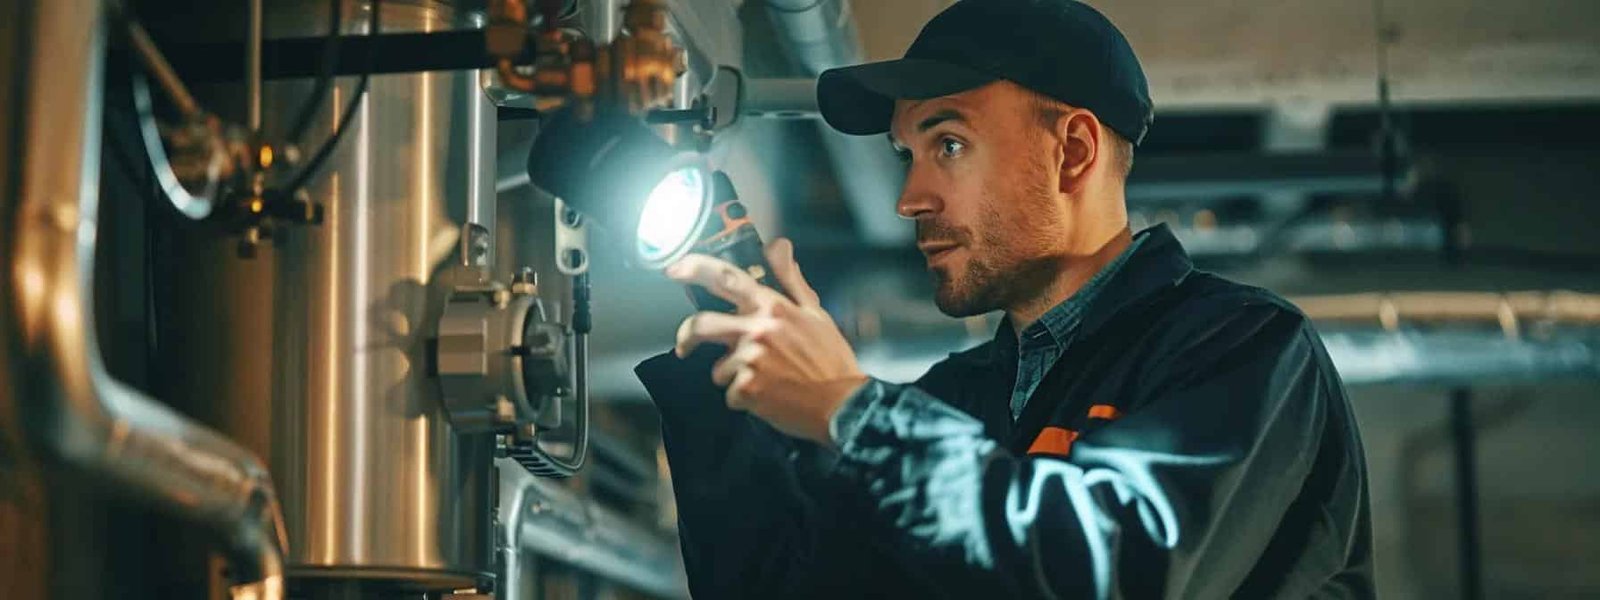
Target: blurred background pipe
<point>540,517</point>
<point>102,430</point>
<point>819,35</point>
<point>1446,338</point>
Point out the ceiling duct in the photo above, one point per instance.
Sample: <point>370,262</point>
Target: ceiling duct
<point>821,35</point>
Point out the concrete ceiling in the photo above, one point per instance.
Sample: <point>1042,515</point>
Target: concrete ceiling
<point>1209,54</point>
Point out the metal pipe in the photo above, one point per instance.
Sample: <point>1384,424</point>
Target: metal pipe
<point>539,517</point>
<point>1508,309</point>
<point>204,176</point>
<point>1201,177</point>
<point>101,429</point>
<point>252,68</point>
<point>818,34</point>
<point>1319,235</point>
<point>779,98</point>
<point>601,18</point>
<point>481,158</point>
<point>158,66</point>
<point>1456,357</point>
<point>1465,338</point>
<point>1464,441</point>
<point>821,35</point>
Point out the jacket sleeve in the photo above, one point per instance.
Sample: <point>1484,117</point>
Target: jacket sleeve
<point>753,520</point>
<point>1178,497</point>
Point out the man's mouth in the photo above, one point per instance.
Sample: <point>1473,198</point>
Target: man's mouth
<point>933,251</point>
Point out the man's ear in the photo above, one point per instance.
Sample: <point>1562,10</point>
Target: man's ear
<point>1078,132</point>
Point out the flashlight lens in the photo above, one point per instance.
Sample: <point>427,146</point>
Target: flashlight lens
<point>671,214</point>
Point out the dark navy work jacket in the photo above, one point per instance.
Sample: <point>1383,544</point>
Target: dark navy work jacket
<point>1194,441</point>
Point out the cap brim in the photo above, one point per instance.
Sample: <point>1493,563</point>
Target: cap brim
<point>859,100</point>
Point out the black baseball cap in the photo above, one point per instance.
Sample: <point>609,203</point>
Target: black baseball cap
<point>1063,49</point>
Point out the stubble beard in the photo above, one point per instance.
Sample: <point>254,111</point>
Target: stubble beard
<point>998,273</point>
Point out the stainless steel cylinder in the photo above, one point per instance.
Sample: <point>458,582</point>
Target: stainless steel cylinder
<point>319,344</point>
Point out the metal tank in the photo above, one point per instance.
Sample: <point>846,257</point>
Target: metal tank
<point>319,344</point>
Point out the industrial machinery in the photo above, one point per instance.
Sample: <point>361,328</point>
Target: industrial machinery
<point>363,365</point>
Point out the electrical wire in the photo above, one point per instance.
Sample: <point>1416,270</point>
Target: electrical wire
<point>582,324</point>
<point>330,60</point>
<point>328,146</point>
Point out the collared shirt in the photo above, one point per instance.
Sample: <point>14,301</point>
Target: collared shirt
<point>1043,342</point>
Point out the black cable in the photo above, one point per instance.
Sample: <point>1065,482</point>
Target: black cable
<point>332,142</point>
<point>330,62</point>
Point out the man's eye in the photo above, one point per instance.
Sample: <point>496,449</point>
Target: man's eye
<point>951,147</point>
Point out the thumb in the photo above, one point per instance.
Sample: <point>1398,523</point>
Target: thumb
<point>780,255</point>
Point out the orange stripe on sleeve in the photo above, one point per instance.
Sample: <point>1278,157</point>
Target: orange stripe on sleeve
<point>1053,441</point>
<point>1104,411</point>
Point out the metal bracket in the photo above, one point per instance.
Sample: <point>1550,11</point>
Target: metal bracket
<point>572,240</point>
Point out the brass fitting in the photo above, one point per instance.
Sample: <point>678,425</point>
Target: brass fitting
<point>636,72</point>
<point>646,62</point>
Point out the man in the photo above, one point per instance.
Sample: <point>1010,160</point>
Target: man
<point>1136,427</point>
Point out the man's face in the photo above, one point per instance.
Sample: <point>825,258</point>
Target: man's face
<point>981,186</point>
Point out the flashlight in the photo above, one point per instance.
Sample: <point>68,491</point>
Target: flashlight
<point>613,169</point>
<point>731,236</point>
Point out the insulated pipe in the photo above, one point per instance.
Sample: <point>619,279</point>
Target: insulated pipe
<point>102,429</point>
<point>1467,338</point>
<point>1507,309</point>
<point>781,98</point>
<point>821,35</point>
<point>817,34</point>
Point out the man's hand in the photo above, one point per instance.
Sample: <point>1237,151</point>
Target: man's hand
<point>787,362</point>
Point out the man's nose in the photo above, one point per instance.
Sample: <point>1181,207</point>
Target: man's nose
<point>918,198</point>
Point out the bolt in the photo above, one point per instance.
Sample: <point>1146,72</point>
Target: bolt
<point>525,282</point>
<point>527,275</point>
<point>574,258</point>
<point>504,410</point>
<point>570,217</point>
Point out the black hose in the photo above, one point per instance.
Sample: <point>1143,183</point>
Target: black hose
<point>330,61</point>
<point>328,146</point>
<point>582,322</point>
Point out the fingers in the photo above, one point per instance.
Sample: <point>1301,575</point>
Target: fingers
<point>705,327</point>
<point>780,254</point>
<point>722,279</point>
<point>742,358</point>
<point>739,395</point>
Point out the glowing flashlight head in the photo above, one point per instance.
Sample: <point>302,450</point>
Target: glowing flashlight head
<point>673,215</point>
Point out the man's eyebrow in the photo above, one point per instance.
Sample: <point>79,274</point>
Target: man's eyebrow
<point>948,114</point>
